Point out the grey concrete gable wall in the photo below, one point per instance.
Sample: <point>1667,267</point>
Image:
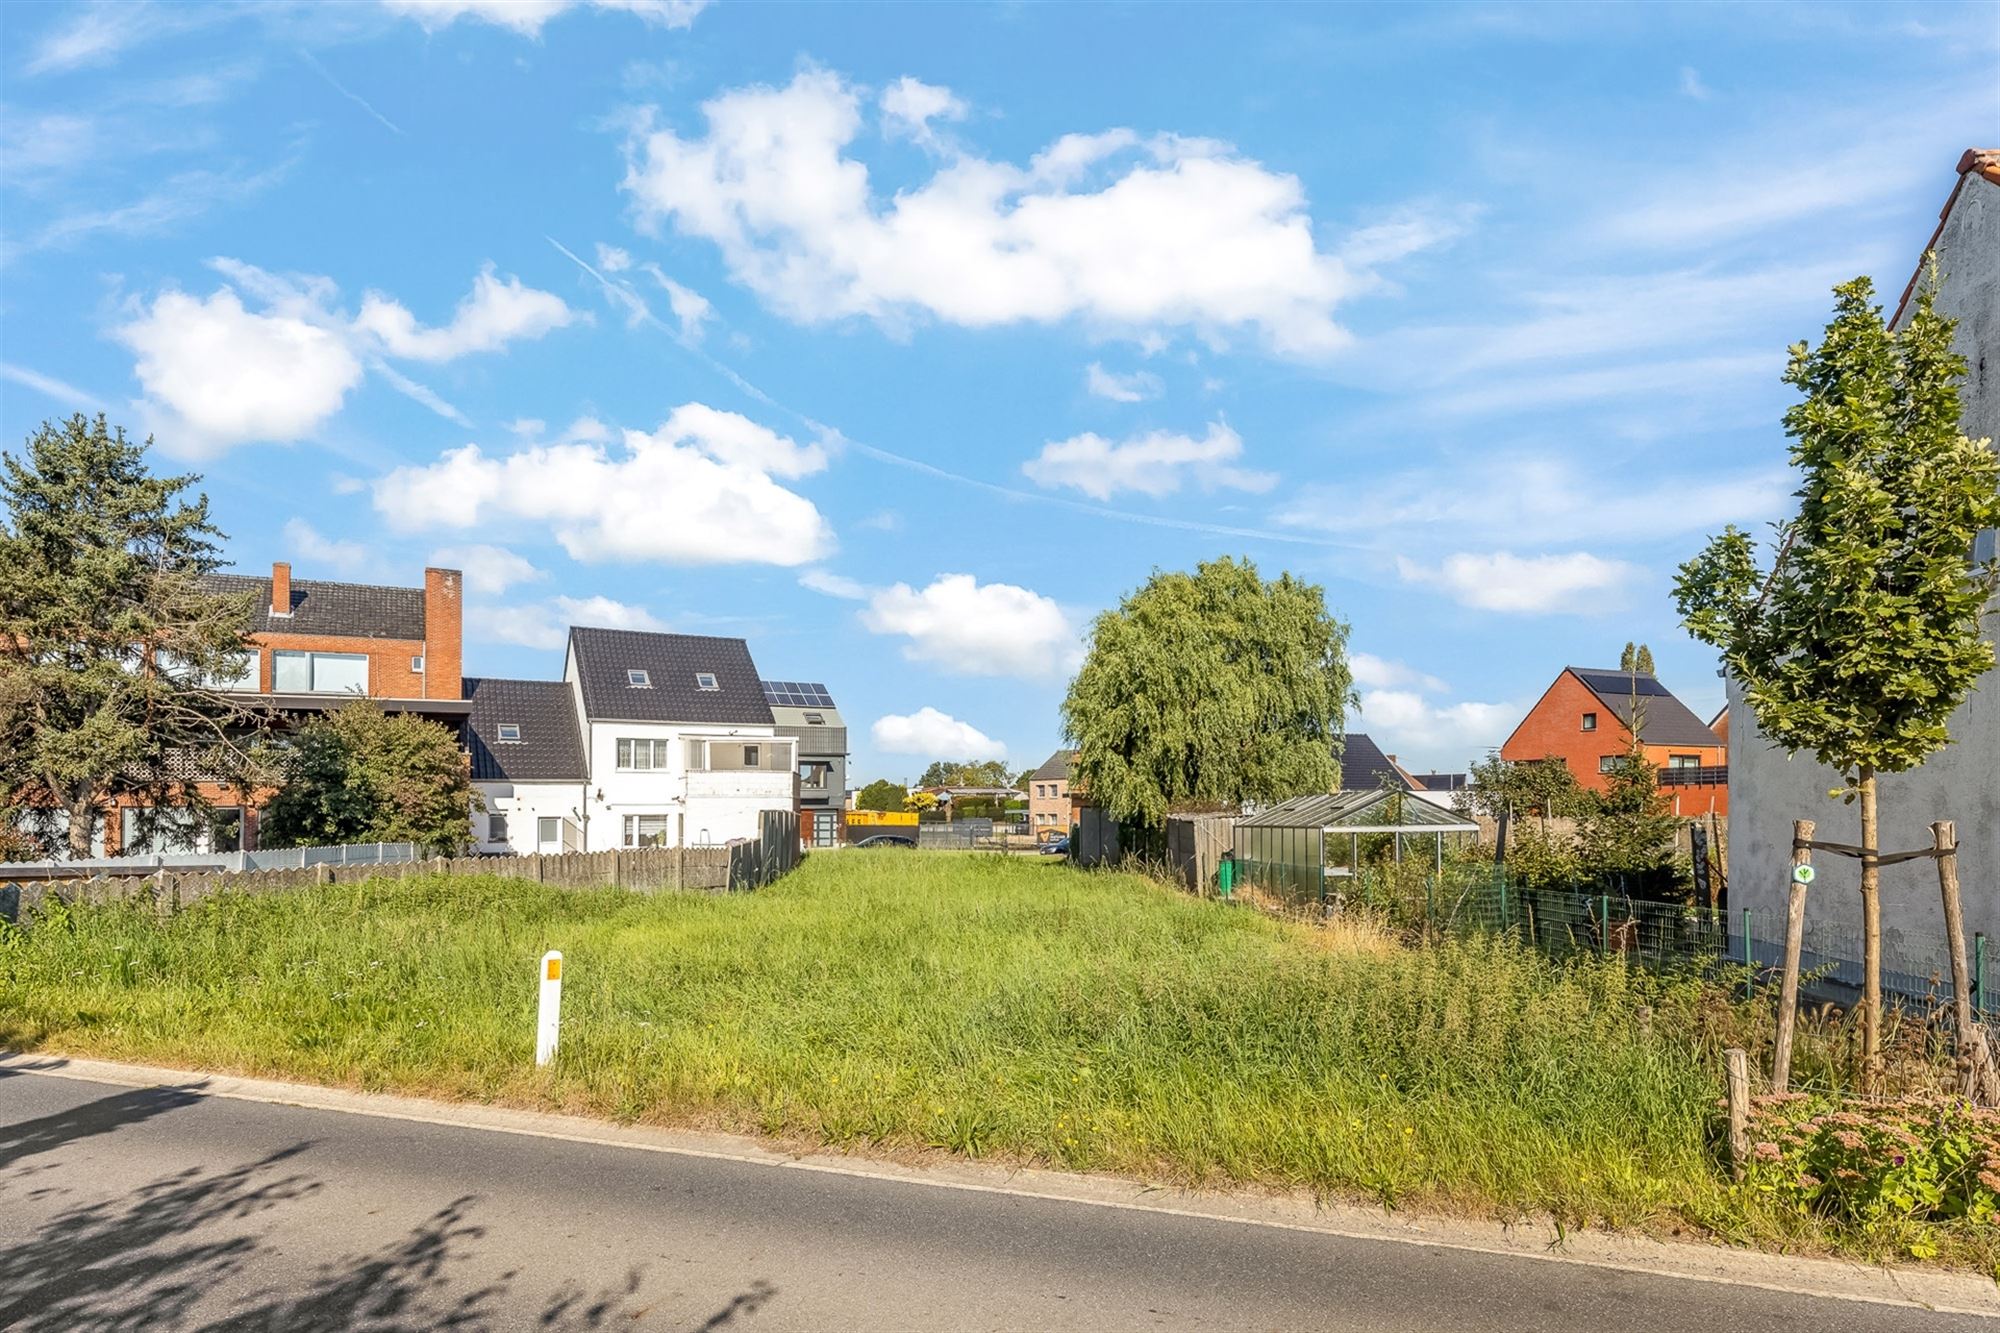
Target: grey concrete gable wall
<point>1768,790</point>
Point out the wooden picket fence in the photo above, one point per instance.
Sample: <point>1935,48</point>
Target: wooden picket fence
<point>746,864</point>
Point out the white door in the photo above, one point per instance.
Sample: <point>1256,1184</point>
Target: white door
<point>548,835</point>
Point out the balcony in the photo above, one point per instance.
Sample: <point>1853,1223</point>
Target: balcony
<point>1705,775</point>
<point>742,784</point>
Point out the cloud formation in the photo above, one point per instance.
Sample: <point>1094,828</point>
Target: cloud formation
<point>1578,583</point>
<point>488,570</point>
<point>1136,387</point>
<point>1129,233</point>
<point>527,16</point>
<point>546,624</point>
<point>701,489</point>
<point>217,373</point>
<point>1156,463</point>
<point>977,629</point>
<point>929,733</point>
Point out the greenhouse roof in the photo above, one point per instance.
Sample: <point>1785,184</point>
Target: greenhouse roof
<point>1362,812</point>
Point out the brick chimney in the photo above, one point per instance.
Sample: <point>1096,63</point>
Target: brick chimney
<point>444,634</point>
<point>281,588</point>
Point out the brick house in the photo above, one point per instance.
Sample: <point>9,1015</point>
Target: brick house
<point>1587,719</point>
<point>1049,811</point>
<point>317,644</point>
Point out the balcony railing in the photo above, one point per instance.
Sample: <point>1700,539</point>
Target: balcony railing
<point>1704,775</point>
<point>742,782</point>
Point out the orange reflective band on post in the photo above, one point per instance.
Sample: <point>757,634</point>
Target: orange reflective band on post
<point>555,969</point>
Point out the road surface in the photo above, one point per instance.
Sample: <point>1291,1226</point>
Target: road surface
<point>124,1208</point>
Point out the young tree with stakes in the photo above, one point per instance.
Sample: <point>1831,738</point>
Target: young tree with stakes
<point>111,645</point>
<point>1865,634</point>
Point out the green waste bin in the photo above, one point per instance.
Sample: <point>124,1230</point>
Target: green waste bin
<point>1225,873</point>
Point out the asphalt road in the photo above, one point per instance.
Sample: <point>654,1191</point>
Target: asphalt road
<point>156,1208</point>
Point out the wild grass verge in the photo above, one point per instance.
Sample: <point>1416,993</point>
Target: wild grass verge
<point>989,1006</point>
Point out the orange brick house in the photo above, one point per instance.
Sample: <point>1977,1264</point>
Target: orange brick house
<point>317,645</point>
<point>1587,718</point>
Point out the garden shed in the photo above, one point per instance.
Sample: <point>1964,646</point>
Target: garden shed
<point>1297,848</point>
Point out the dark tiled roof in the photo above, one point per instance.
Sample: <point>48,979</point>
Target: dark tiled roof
<point>603,656</point>
<point>1363,766</point>
<point>357,610</point>
<point>549,749</point>
<point>1056,769</point>
<point>1663,719</point>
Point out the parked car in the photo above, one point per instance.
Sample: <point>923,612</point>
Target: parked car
<point>886,840</point>
<point>1058,846</point>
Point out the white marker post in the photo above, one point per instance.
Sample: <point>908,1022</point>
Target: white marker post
<point>548,1014</point>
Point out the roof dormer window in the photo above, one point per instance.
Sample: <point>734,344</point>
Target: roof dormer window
<point>638,679</point>
<point>510,731</point>
<point>705,680</point>
<point>815,719</point>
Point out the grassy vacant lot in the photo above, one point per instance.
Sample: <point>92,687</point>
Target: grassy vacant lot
<point>898,1002</point>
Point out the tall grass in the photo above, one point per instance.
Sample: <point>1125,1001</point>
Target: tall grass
<point>976,1004</point>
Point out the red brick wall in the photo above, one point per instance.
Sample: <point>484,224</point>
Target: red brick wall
<point>444,633</point>
<point>389,673</point>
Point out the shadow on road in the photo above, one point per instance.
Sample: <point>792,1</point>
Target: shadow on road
<point>155,1257</point>
<point>102,1116</point>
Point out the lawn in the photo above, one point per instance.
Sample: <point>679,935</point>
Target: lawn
<point>898,1003</point>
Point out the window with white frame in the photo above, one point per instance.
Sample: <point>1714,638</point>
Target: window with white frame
<point>636,754</point>
<point>510,731</point>
<point>496,827</point>
<point>319,673</point>
<point>750,756</point>
<point>705,680</point>
<point>638,679</point>
<point>648,830</point>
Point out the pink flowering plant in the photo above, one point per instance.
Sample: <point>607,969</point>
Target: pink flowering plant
<point>1872,1164</point>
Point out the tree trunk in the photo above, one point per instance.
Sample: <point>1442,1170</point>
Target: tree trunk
<point>1871,939</point>
<point>80,821</point>
<point>1788,990</point>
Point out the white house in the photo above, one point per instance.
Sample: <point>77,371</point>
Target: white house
<point>648,740</point>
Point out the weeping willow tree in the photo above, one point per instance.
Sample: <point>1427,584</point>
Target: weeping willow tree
<point>1206,689</point>
<point>1865,634</point>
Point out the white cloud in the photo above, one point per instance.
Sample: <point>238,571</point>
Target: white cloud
<point>1133,388</point>
<point>1501,494</point>
<point>975,629</point>
<point>1130,234</point>
<point>612,259</point>
<point>488,570</point>
<point>930,733</point>
<point>910,105</point>
<point>1692,86</point>
<point>1422,733</point>
<point>690,307</point>
<point>528,16</point>
<point>1372,672</point>
<point>229,375</point>
<point>546,624</point>
<point>67,396</point>
<point>699,490</point>
<point>97,34</point>
<point>1406,231</point>
<point>1153,464</point>
<point>312,547</point>
<point>834,585</point>
<point>218,374</point>
<point>1501,581</point>
<point>495,313</point>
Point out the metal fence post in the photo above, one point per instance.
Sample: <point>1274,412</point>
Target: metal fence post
<point>1979,972</point>
<point>1604,924</point>
<point>1748,960</point>
<point>1503,904</point>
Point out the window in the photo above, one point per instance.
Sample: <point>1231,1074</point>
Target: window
<point>510,731</point>
<point>236,673</point>
<point>548,834</point>
<point>496,827</point>
<point>417,664</point>
<point>815,773</point>
<point>1590,722</point>
<point>638,679</point>
<point>1608,763</point>
<point>1683,761</point>
<point>319,673</point>
<point>643,756</point>
<point>815,719</point>
<point>647,830</point>
<point>705,680</point>
<point>749,756</point>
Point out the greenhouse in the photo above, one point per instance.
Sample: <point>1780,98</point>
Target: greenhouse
<point>1305,848</point>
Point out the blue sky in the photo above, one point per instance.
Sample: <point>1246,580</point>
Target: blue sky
<point>901,340</point>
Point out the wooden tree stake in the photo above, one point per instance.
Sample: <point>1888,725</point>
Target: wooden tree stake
<point>1795,929</point>
<point>1975,1061</point>
<point>1737,1061</point>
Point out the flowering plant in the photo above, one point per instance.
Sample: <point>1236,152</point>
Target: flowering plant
<point>1920,1159</point>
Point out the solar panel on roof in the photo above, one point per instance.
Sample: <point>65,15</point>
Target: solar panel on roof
<point>797,694</point>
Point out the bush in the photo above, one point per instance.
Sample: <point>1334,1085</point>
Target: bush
<point>1879,1165</point>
